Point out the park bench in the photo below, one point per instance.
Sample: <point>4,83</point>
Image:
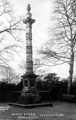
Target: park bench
<point>68,97</point>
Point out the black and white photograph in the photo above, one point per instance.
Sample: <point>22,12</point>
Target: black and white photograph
<point>37,59</point>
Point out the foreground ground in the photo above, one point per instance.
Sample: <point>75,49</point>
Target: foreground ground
<point>59,111</point>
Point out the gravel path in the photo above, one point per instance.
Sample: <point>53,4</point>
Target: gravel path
<point>59,111</point>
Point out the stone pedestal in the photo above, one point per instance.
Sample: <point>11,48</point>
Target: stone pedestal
<point>29,80</point>
<point>29,93</point>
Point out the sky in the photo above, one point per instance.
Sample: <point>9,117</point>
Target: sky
<point>42,12</point>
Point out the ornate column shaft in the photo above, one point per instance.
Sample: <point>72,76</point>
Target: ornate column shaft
<point>29,60</point>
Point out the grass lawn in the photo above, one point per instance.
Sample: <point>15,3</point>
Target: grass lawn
<point>59,111</point>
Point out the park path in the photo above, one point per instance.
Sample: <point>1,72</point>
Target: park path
<point>59,111</point>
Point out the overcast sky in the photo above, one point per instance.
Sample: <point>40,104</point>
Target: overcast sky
<point>41,11</point>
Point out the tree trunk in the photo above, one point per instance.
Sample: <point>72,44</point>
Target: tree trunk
<point>71,72</point>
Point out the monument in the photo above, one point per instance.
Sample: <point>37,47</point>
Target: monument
<point>29,93</point>
<point>29,77</point>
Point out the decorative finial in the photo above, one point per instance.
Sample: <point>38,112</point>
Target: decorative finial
<point>28,7</point>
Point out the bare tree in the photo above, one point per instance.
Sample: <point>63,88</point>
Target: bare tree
<point>9,75</point>
<point>9,39</point>
<point>9,28</point>
<point>62,45</point>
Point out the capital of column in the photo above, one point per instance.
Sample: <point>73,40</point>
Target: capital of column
<point>28,18</point>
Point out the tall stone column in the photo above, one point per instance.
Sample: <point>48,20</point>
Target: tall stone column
<point>29,77</point>
<point>29,60</point>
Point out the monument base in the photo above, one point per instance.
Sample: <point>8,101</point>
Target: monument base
<point>29,93</point>
<point>29,80</point>
<point>29,96</point>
